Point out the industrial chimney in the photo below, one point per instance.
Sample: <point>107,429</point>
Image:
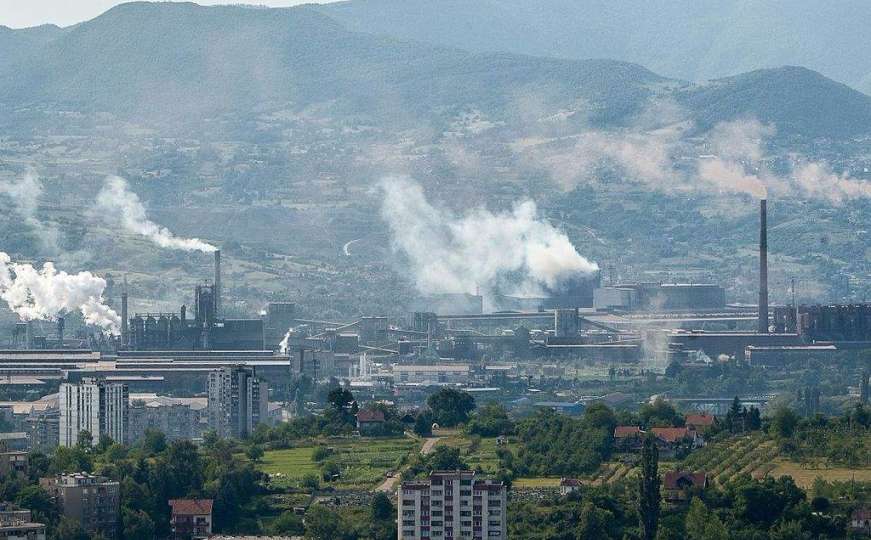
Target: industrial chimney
<point>763,267</point>
<point>217,282</point>
<point>125,331</point>
<point>60,332</point>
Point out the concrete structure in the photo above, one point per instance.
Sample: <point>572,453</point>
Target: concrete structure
<point>678,486</point>
<point>237,401</point>
<point>373,330</point>
<point>763,267</point>
<point>370,422</point>
<point>452,504</point>
<point>788,355</point>
<point>279,317</point>
<point>177,418</point>
<point>566,323</point>
<point>660,297</point>
<point>13,441</point>
<point>568,485</point>
<point>93,405</point>
<point>191,519</point>
<point>17,524</point>
<point>92,501</point>
<point>431,374</point>
<point>13,463</point>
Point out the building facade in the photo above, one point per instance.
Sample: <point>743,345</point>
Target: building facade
<point>17,524</point>
<point>452,504</point>
<point>237,401</point>
<point>191,519</point>
<point>93,405</point>
<point>92,501</point>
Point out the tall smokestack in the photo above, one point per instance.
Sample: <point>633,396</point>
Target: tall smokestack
<point>60,332</point>
<point>217,282</point>
<point>763,266</point>
<point>125,331</point>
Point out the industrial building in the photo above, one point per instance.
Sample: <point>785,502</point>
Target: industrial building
<point>206,330</point>
<point>660,297</point>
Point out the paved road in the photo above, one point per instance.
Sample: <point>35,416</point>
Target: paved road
<point>389,484</point>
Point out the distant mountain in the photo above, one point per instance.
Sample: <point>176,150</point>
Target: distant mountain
<point>686,39</point>
<point>795,99</point>
<point>181,61</point>
<point>178,59</point>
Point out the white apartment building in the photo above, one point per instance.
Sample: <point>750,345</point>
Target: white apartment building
<point>452,504</point>
<point>237,401</point>
<point>92,405</point>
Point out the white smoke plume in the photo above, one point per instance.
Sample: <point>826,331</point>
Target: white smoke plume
<point>115,201</point>
<point>24,192</point>
<point>650,157</point>
<point>457,254</point>
<point>46,293</point>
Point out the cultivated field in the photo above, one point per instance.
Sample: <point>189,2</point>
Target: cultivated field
<point>363,462</point>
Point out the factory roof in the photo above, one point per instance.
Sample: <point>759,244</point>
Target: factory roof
<point>431,368</point>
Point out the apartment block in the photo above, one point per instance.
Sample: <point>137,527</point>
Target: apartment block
<point>237,401</point>
<point>93,405</point>
<point>93,501</point>
<point>452,504</point>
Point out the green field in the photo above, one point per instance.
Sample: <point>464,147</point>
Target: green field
<point>484,456</point>
<point>363,462</point>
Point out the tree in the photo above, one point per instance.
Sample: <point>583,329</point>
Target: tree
<point>70,529</point>
<point>311,482</point>
<point>322,523</point>
<point>329,470</point>
<point>340,399</point>
<point>423,423</point>
<point>450,406</point>
<point>696,520</point>
<point>254,453</point>
<point>593,523</point>
<point>381,507</point>
<point>288,524</point>
<point>136,525</point>
<point>648,489</point>
<point>446,458</point>
<point>85,440</point>
<point>154,441</point>
<point>39,502</point>
<point>491,420</point>
<point>783,422</point>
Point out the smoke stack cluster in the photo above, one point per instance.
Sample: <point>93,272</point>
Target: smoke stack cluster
<point>217,282</point>
<point>763,267</point>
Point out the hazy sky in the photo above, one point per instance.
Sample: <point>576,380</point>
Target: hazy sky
<point>24,13</point>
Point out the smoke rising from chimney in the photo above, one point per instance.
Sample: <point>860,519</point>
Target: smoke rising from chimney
<point>117,202</point>
<point>457,254</point>
<point>24,192</point>
<point>46,293</point>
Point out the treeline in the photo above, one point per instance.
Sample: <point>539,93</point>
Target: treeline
<point>150,474</point>
<point>842,440</point>
<point>743,509</point>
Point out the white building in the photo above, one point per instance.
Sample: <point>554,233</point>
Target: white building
<point>237,401</point>
<point>93,405</point>
<point>452,504</point>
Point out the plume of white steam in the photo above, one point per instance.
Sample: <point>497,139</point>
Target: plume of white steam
<point>24,193</point>
<point>46,293</point>
<point>117,202</point>
<point>649,157</point>
<point>453,254</point>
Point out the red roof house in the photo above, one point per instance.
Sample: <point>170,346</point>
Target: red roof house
<point>191,518</point>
